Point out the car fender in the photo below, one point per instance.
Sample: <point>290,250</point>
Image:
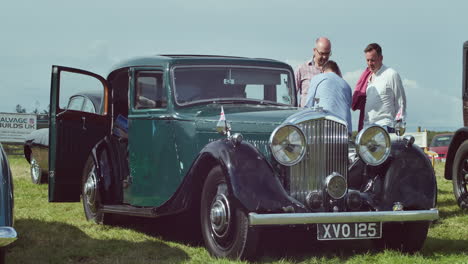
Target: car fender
<point>252,180</point>
<point>106,159</point>
<point>6,191</point>
<point>458,138</point>
<point>409,179</point>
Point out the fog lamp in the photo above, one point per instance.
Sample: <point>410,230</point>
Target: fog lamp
<point>314,200</point>
<point>336,185</point>
<point>353,200</point>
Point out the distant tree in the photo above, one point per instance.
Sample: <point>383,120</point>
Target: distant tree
<point>46,111</point>
<point>20,109</point>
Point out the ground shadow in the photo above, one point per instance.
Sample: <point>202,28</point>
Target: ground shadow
<point>56,242</point>
<point>180,228</point>
<point>301,244</point>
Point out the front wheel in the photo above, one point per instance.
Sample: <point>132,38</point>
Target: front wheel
<point>225,227</point>
<point>407,237</point>
<point>460,175</point>
<point>90,193</point>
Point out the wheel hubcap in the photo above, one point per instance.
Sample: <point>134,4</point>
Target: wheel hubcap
<point>90,190</point>
<point>220,216</point>
<point>35,170</point>
<point>464,175</point>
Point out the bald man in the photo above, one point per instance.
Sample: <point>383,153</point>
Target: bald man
<point>309,69</point>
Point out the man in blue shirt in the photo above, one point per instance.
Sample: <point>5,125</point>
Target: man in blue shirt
<point>334,93</point>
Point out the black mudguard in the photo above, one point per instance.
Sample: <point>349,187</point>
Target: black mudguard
<point>251,178</point>
<point>109,161</point>
<point>409,179</point>
<point>458,138</point>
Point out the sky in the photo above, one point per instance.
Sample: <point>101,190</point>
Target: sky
<point>421,39</point>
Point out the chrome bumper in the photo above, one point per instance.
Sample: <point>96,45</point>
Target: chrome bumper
<point>342,217</point>
<point>7,235</point>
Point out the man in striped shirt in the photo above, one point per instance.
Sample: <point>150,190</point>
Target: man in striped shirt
<point>309,69</point>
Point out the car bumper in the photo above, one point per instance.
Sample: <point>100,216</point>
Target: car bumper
<point>7,235</point>
<point>342,217</point>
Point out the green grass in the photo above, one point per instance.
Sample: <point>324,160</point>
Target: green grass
<point>59,233</point>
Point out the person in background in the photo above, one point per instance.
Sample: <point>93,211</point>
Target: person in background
<point>333,91</point>
<point>385,95</point>
<point>309,69</point>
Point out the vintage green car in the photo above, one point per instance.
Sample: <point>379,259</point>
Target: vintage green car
<point>222,137</point>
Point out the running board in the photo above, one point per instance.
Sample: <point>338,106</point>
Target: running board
<point>130,210</point>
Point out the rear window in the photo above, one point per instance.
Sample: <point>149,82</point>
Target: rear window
<point>441,141</point>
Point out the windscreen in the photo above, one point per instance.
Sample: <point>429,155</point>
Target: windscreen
<point>250,85</point>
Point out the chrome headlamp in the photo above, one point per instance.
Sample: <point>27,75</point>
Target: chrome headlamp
<point>288,144</point>
<point>373,145</point>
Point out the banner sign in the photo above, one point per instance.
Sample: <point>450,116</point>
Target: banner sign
<point>420,138</point>
<point>14,127</point>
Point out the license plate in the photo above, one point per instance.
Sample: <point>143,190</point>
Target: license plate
<point>349,231</point>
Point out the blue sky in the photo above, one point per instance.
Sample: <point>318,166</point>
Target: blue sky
<point>422,40</point>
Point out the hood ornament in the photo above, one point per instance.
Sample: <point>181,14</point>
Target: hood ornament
<point>223,126</point>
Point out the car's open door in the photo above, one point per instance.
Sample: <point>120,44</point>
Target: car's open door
<point>73,133</point>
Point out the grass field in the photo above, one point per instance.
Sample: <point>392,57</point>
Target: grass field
<point>59,233</point>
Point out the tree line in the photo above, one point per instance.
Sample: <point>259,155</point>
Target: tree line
<point>21,109</point>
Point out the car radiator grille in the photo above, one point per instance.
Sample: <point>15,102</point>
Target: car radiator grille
<point>327,152</point>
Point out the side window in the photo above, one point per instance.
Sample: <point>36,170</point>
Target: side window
<point>88,106</point>
<point>149,90</point>
<point>75,103</point>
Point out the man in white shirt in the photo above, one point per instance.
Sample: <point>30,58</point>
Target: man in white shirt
<point>385,95</point>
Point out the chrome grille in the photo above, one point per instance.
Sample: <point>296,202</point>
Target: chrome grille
<point>327,152</point>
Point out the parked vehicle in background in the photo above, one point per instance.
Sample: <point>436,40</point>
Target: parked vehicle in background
<point>456,166</point>
<point>36,144</point>
<point>7,232</point>
<point>222,138</point>
<point>440,144</point>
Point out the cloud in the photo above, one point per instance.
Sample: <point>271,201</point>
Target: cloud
<point>410,84</point>
<point>352,77</point>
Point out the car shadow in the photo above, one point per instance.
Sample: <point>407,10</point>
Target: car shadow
<point>300,244</point>
<point>56,242</point>
<point>181,228</point>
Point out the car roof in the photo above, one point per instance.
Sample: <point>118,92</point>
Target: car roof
<point>444,135</point>
<point>173,59</point>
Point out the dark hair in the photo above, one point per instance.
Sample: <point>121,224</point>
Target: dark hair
<point>374,46</point>
<point>333,66</point>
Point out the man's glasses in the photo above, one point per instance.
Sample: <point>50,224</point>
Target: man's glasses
<point>323,54</point>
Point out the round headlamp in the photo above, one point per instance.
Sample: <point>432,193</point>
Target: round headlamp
<point>373,145</point>
<point>288,144</point>
<point>336,185</point>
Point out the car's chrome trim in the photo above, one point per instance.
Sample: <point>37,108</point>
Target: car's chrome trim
<point>326,153</point>
<point>343,217</point>
<point>7,235</point>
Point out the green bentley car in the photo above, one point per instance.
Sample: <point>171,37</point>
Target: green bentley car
<point>222,138</point>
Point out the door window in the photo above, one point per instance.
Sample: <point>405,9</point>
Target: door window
<point>149,90</point>
<point>71,84</point>
<point>75,103</point>
<point>88,106</point>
